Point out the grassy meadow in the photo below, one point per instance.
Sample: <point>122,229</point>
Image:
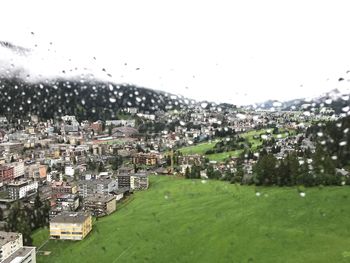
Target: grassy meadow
<point>201,148</point>
<point>180,220</point>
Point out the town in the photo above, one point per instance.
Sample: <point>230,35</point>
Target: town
<point>69,171</point>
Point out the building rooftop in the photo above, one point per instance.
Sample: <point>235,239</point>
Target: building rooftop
<point>20,183</point>
<point>96,181</point>
<point>71,217</point>
<point>19,255</point>
<point>98,198</point>
<point>121,190</point>
<point>6,237</point>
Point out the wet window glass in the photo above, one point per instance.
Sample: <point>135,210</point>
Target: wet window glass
<point>187,131</point>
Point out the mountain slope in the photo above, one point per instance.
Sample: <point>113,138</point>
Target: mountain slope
<point>87,100</point>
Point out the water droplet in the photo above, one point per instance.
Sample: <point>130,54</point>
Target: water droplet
<point>342,143</point>
<point>204,105</point>
<point>112,99</point>
<point>346,109</point>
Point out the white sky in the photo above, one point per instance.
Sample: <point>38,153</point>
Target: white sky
<point>228,51</point>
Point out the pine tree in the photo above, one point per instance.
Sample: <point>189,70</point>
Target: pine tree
<point>187,172</point>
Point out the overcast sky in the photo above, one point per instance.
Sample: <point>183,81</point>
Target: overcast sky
<point>227,51</point>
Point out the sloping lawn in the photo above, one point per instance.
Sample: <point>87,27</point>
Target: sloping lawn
<point>200,148</point>
<point>180,220</point>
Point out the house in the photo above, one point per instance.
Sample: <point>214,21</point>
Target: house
<point>99,205</point>
<point>12,249</point>
<point>163,171</point>
<point>22,189</point>
<point>70,225</point>
<point>124,132</point>
<point>342,172</point>
<point>97,126</point>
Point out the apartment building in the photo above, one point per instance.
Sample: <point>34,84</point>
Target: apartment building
<point>99,186</point>
<point>123,180</point>
<point>139,181</point>
<point>18,169</point>
<point>12,249</point>
<point>6,174</point>
<point>21,189</point>
<point>71,225</point>
<point>99,205</point>
<point>62,187</point>
<point>145,159</point>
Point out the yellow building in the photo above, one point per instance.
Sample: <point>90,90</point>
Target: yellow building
<point>71,225</point>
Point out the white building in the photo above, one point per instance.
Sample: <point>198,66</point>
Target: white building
<point>129,123</point>
<point>69,170</point>
<point>139,181</point>
<point>12,249</point>
<point>22,189</point>
<point>18,169</point>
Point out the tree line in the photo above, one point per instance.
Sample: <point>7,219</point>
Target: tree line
<point>24,218</point>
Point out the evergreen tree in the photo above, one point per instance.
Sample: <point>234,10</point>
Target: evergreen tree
<point>187,172</point>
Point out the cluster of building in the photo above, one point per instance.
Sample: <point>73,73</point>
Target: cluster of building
<point>54,158</point>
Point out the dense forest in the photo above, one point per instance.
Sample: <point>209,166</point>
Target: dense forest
<point>91,100</point>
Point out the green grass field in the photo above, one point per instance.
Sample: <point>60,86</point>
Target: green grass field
<point>180,220</point>
<point>201,148</point>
